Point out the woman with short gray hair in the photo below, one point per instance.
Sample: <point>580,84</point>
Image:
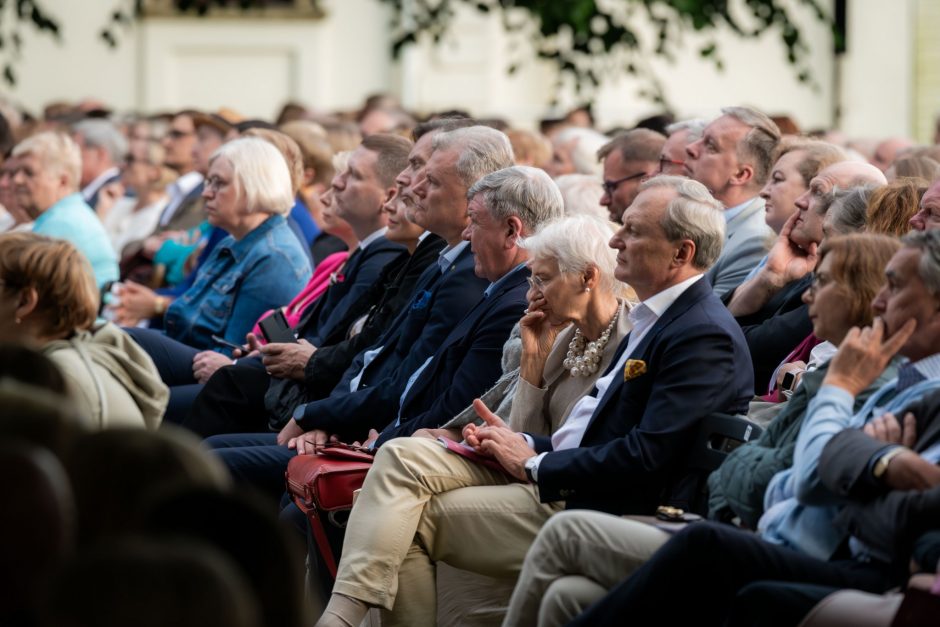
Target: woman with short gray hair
<point>570,334</point>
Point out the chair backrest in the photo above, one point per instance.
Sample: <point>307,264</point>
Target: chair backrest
<point>718,435</point>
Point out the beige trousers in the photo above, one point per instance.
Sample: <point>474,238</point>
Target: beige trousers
<point>421,504</point>
<point>577,557</point>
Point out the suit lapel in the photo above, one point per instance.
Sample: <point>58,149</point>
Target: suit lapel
<point>460,331</point>
<point>698,290</point>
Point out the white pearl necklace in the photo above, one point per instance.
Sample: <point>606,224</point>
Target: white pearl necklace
<point>584,361</point>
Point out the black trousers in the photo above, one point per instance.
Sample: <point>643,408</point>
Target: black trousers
<point>696,579</point>
<point>231,401</point>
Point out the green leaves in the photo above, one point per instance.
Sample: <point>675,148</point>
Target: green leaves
<point>589,41</point>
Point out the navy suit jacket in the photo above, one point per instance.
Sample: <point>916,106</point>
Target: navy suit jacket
<point>632,456</point>
<point>440,302</point>
<point>774,330</point>
<point>468,362</point>
<point>329,311</point>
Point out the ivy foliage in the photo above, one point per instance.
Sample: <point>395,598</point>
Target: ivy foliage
<point>587,40</point>
<point>590,40</point>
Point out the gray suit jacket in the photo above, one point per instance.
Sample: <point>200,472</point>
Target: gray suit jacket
<point>889,521</point>
<point>746,239</point>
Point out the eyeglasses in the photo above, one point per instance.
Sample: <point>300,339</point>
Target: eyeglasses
<point>663,162</point>
<point>611,186</point>
<point>174,133</point>
<point>537,282</point>
<point>214,183</point>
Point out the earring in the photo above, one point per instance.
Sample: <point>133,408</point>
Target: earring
<point>587,289</point>
<point>17,320</point>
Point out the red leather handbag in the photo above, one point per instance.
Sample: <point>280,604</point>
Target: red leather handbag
<point>323,483</point>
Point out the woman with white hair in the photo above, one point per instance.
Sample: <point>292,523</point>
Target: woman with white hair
<point>577,317</point>
<point>259,266</point>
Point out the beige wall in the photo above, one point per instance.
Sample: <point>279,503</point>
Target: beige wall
<point>255,65</point>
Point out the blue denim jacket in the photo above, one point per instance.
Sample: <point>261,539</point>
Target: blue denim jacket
<point>238,282</point>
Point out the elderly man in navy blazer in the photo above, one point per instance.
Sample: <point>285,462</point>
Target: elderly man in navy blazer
<point>621,449</point>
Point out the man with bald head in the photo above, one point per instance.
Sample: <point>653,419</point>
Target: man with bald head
<point>733,159</point>
<point>888,150</point>
<point>769,306</point>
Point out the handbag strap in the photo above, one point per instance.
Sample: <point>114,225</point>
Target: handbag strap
<point>319,536</point>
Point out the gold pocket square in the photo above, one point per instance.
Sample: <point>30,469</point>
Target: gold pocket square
<point>633,369</point>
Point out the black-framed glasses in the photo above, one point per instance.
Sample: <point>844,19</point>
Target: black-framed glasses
<point>611,186</point>
<point>663,162</point>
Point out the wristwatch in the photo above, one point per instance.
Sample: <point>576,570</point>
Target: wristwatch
<point>881,466</point>
<point>531,469</point>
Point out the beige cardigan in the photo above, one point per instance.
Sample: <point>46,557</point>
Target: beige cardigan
<point>541,410</point>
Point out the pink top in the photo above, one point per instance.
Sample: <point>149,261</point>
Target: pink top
<point>326,274</point>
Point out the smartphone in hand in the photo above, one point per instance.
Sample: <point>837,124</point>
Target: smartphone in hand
<point>276,330</point>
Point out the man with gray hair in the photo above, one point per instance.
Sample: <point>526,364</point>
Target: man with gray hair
<point>863,484</point>
<point>733,159</point>
<point>103,149</point>
<point>622,449</point>
<point>45,185</point>
<point>678,137</point>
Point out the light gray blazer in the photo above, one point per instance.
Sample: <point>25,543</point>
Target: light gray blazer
<point>746,239</point>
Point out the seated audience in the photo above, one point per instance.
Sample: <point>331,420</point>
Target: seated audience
<point>582,194</point>
<point>436,300</point>
<point>530,148</point>
<point>679,136</point>
<point>797,162</point>
<point>733,159</point>
<point>259,265</point>
<point>850,271</point>
<point>12,216</point>
<point>358,195</point>
<point>46,187</point>
<point>628,159</point>
<point>816,516</point>
<point>890,208</point>
<point>620,449</point>
<point>928,216</point>
<point>102,148</point>
<point>134,218</point>
<point>504,207</point>
<point>574,151</point>
<point>769,307</point>
<point>888,150</point>
<point>50,301</point>
<point>910,166</point>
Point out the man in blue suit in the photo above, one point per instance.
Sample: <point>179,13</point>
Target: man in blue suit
<point>621,449</point>
<point>370,392</point>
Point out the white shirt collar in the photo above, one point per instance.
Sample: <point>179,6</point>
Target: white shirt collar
<point>363,244</point>
<point>185,184</point>
<point>89,190</point>
<point>423,236</point>
<point>659,303</point>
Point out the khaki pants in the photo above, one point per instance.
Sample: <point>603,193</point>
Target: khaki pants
<point>421,504</point>
<point>577,557</point>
